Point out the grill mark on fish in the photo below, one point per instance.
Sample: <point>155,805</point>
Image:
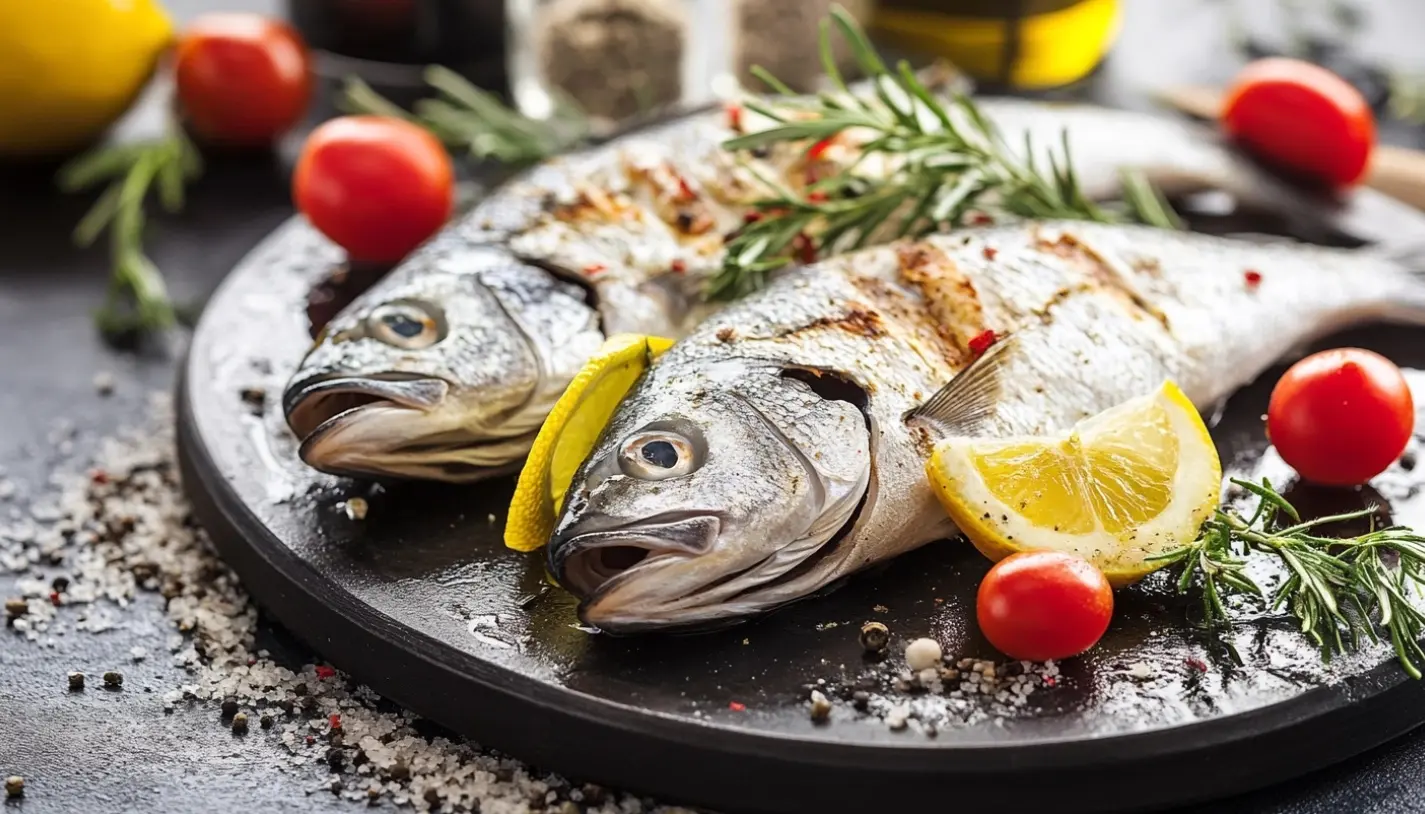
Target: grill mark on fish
<point>594,204</point>
<point>949,297</point>
<point>856,318</point>
<point>906,315</point>
<point>1101,270</point>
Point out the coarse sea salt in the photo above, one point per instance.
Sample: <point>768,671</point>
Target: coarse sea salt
<point>124,526</point>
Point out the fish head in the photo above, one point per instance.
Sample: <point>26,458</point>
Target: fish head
<point>443,371</point>
<point>712,490</point>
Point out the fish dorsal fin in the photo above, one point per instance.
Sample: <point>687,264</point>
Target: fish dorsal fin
<point>967,400</point>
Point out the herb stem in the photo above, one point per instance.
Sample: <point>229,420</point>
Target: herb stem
<point>1339,589</point>
<point>137,298</point>
<point>948,163</point>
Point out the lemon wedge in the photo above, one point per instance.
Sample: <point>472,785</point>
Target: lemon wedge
<point>570,432</point>
<point>1126,485</point>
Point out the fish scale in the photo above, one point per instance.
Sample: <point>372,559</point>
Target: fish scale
<point>1098,313</point>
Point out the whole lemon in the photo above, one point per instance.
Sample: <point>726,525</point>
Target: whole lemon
<point>70,68</point>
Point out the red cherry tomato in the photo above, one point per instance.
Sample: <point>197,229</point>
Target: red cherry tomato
<point>1340,417</point>
<point>1041,605</point>
<point>378,187</point>
<point>243,79</point>
<point>1302,118</point>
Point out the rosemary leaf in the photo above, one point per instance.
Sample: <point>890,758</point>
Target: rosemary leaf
<point>1340,590</point>
<point>475,121</point>
<point>947,160</point>
<point>137,298</point>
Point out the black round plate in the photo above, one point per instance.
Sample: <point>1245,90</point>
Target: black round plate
<point>421,601</point>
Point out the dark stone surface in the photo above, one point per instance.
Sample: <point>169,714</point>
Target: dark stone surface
<point>116,751</point>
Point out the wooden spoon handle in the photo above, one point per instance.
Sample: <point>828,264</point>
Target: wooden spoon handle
<point>1397,171</point>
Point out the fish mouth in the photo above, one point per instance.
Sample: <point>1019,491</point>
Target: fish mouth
<point>666,573</point>
<point>393,426</point>
<point>589,562</point>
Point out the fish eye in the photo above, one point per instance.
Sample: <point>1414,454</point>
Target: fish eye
<point>408,325</point>
<point>657,455</point>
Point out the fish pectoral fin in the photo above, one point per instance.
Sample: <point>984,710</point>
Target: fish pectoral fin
<point>962,405</point>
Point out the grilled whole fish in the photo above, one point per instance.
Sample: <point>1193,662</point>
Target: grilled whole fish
<point>769,454</point>
<point>446,368</point>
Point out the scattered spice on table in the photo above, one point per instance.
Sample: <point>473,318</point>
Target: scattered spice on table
<point>820,707</point>
<point>922,654</point>
<point>355,508</point>
<point>875,637</point>
<point>137,515</point>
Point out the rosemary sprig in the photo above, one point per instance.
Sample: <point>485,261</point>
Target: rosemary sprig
<point>1341,590</point>
<point>950,162</point>
<point>137,298</point>
<point>475,121</point>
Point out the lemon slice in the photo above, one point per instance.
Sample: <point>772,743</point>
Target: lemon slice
<point>569,433</point>
<point>1126,485</point>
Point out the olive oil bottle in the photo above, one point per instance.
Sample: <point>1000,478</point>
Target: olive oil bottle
<point>1020,44</point>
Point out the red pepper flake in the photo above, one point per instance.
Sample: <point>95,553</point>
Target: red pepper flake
<point>736,706</point>
<point>805,248</point>
<point>817,150</point>
<point>982,342</point>
<point>980,219</point>
<point>990,252</point>
<point>54,598</point>
<point>334,720</point>
<point>98,476</point>
<point>734,117</point>
<point>325,672</point>
<point>816,197</point>
<point>685,192</point>
<point>679,266</point>
<point>1197,664</point>
<point>1253,278</point>
<point>595,269</point>
<point>752,217</point>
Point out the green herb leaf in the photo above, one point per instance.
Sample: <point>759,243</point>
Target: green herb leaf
<point>948,161</point>
<point>137,297</point>
<point>1340,590</point>
<point>475,121</point>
